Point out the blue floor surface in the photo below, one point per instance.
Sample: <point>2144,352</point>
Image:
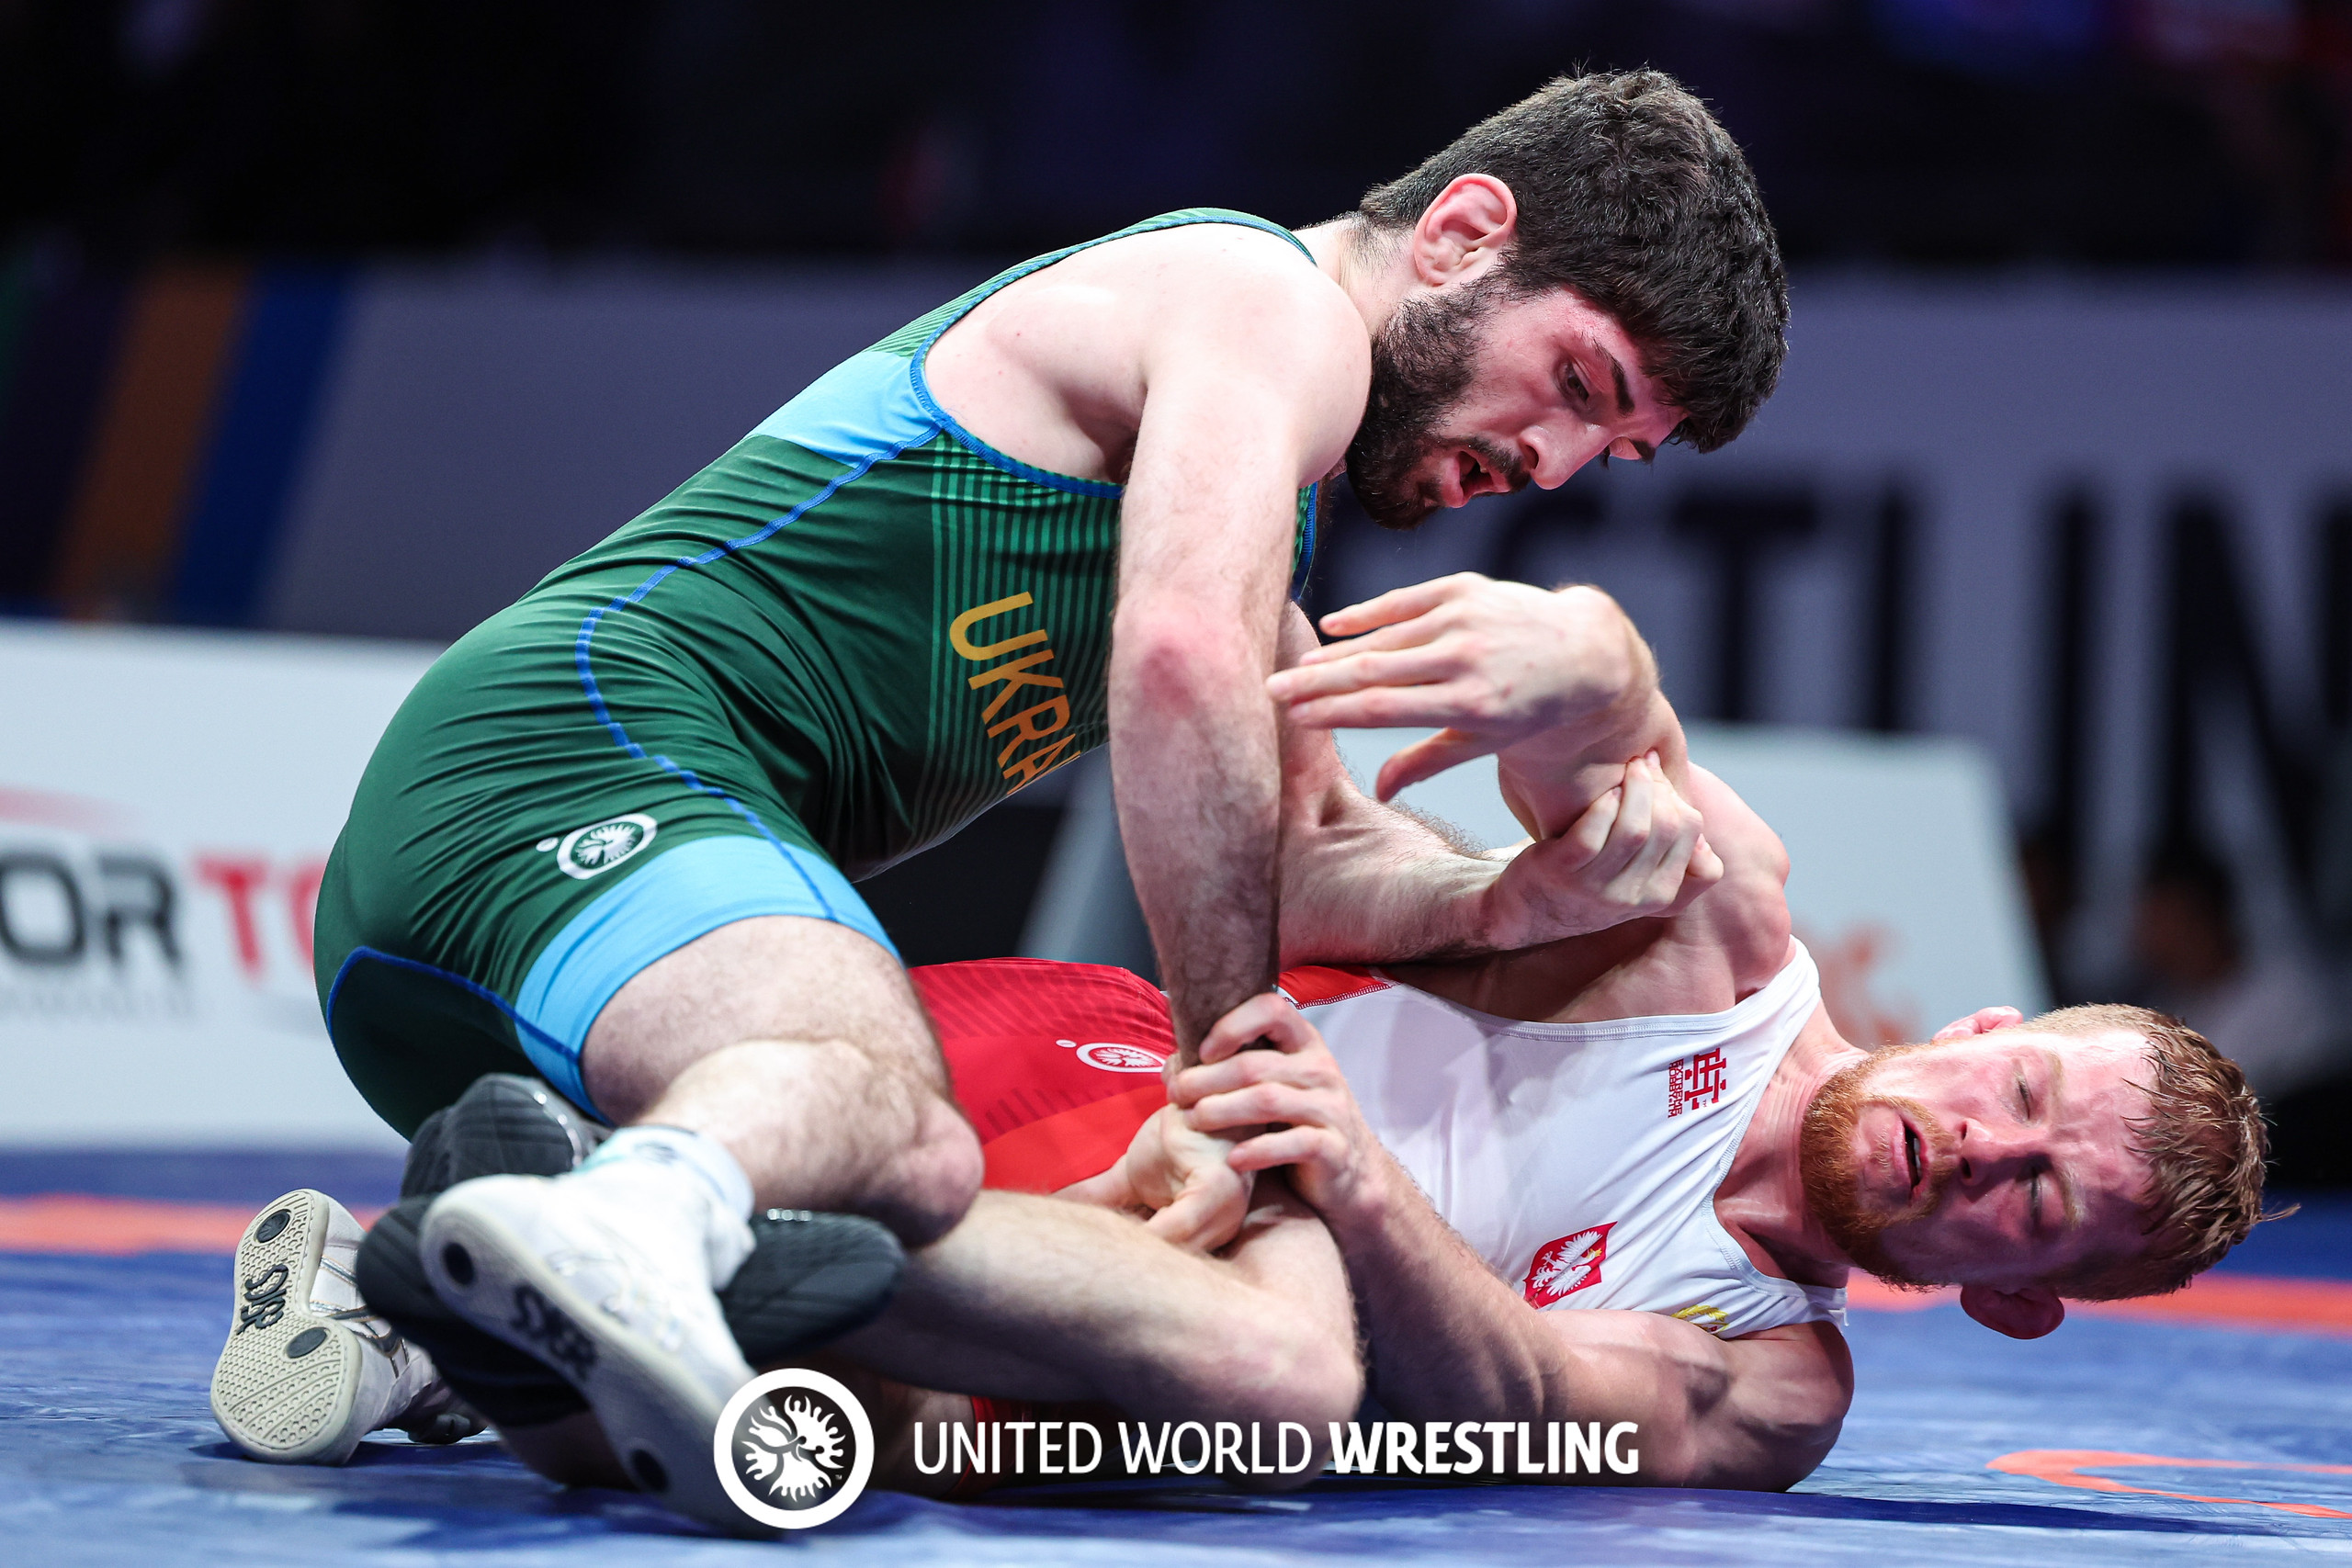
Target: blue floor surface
<point>108,1454</point>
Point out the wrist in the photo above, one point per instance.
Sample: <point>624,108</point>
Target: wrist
<point>1359,1223</point>
<point>1501,922</point>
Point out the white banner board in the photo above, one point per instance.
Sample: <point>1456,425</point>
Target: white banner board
<point>1902,881</point>
<point>167,800</point>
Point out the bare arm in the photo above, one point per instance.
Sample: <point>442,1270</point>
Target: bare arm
<point>1450,1341</point>
<point>1566,690</point>
<point>1252,389</point>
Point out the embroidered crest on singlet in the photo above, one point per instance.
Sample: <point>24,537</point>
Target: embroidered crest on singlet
<point>1580,1161</point>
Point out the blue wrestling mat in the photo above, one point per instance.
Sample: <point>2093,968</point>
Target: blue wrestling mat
<point>2213,1434</point>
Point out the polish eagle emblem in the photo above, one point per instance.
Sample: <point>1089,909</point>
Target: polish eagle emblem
<point>1565,1266</point>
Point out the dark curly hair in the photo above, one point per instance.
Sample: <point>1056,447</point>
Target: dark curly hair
<point>1630,194</point>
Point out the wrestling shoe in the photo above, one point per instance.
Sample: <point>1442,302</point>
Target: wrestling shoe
<point>810,1278</point>
<point>504,1125</point>
<point>308,1369</point>
<point>607,1275</point>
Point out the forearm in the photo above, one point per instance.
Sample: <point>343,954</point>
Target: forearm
<point>1195,772</point>
<point>1445,1338</point>
<point>1362,883</point>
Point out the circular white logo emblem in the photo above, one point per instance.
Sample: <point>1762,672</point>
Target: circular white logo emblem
<point>584,852</point>
<point>793,1449</point>
<point>1114,1057</point>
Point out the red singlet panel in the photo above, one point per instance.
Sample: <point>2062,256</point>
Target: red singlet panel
<point>1058,1064</point>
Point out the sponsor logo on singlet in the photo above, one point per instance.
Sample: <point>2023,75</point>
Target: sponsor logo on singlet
<point>1563,1267</point>
<point>585,852</point>
<point>1036,721</point>
<point>1696,1079</point>
<point>1114,1057</point>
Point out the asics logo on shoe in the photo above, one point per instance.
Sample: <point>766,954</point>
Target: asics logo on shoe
<point>264,1299</point>
<point>599,847</point>
<point>557,1337</point>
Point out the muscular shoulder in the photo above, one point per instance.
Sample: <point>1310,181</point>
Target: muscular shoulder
<point>1227,326</point>
<point>1225,303</point>
<point>1222,321</point>
<point>1747,914</point>
<point>1238,274</point>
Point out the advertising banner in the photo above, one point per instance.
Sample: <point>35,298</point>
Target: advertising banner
<point>167,800</point>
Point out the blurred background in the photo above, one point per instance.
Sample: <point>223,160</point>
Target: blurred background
<point>350,318</point>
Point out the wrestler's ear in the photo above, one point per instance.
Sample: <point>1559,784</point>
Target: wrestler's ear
<point>1464,230</point>
<point>2021,1314</point>
<point>1984,1020</point>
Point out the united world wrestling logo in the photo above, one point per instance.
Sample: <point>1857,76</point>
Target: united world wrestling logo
<point>800,1456</point>
<point>794,1449</point>
<point>600,846</point>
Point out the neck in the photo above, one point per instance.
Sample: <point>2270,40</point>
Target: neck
<point>1763,1199</point>
<point>1371,268</point>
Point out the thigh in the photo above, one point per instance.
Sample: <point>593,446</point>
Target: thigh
<point>793,978</point>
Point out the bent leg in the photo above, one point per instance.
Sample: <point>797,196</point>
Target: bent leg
<point>799,1046</point>
<point>774,1061</point>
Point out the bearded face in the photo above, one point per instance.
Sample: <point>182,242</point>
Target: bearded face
<point>1833,1178</point>
<point>1423,359</point>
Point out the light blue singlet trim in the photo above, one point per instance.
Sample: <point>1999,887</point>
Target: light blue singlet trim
<point>675,897</point>
<point>864,406</point>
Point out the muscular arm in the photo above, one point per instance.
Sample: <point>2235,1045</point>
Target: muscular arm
<point>1361,880</point>
<point>1449,1341</point>
<point>1251,392</point>
<point>1564,691</point>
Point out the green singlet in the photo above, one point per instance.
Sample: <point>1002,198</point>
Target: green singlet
<point>852,634</point>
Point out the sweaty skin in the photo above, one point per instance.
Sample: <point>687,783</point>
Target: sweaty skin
<point>1208,372</point>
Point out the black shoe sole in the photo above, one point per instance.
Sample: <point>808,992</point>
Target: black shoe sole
<point>505,1124</point>
<point>811,1277</point>
<point>501,1383</point>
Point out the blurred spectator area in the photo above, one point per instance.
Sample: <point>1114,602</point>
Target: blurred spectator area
<point>1939,131</point>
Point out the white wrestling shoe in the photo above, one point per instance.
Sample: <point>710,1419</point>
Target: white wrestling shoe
<point>306,1371</point>
<point>606,1275</point>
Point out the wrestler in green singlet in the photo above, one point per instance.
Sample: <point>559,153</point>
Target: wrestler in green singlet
<point>852,634</point>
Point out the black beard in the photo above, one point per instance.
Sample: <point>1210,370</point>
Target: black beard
<point>1422,359</point>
